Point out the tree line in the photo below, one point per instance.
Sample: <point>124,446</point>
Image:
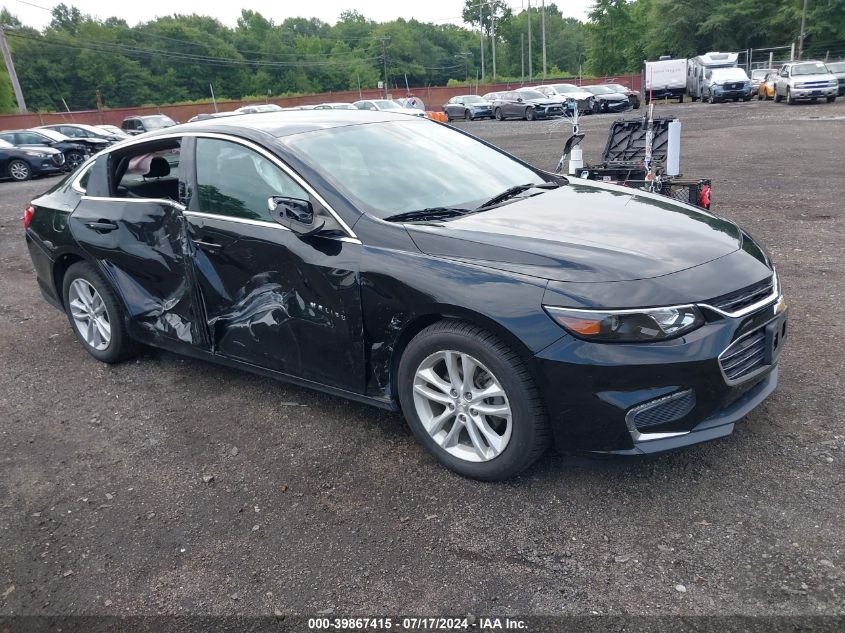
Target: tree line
<point>179,58</point>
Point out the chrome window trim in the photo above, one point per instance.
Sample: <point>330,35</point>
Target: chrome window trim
<point>251,145</point>
<point>638,436</point>
<point>166,201</point>
<point>228,218</point>
<point>80,172</point>
<point>754,306</point>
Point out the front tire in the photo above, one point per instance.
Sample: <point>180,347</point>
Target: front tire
<point>530,115</point>
<point>74,159</point>
<point>778,98</point>
<point>95,314</point>
<point>497,114</point>
<point>831,99</point>
<point>789,99</point>
<point>471,401</point>
<point>19,170</point>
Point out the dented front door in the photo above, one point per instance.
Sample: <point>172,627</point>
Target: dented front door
<point>142,247</point>
<point>281,302</point>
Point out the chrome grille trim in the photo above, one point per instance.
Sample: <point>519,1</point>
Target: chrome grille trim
<point>771,297</point>
<point>639,436</point>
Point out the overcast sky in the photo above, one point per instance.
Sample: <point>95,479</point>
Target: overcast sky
<point>439,11</point>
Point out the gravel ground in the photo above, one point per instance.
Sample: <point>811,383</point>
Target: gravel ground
<point>171,486</point>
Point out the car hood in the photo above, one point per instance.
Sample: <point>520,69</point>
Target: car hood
<point>543,102</point>
<point>581,94</point>
<point>46,149</point>
<point>612,97</point>
<point>586,233</point>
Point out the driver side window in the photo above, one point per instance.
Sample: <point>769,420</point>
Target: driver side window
<point>235,181</point>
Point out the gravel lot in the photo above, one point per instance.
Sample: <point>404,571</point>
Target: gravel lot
<point>316,503</point>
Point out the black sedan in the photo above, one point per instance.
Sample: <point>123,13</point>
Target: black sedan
<point>499,307</point>
<point>608,100</point>
<point>21,164</point>
<point>468,107</point>
<point>75,153</point>
<point>526,104</point>
<point>632,95</point>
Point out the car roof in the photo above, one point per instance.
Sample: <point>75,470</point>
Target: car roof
<point>285,123</point>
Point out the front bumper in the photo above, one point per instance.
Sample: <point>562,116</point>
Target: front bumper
<point>743,93</point>
<point>481,112</point>
<point>632,399</point>
<point>814,93</point>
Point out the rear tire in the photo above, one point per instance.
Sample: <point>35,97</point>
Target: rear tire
<point>519,439</point>
<point>778,98</point>
<point>19,170</point>
<point>497,114</point>
<point>468,115</point>
<point>101,303</point>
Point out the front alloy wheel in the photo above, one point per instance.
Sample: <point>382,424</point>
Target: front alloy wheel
<point>462,406</point>
<point>471,401</point>
<point>75,159</point>
<point>19,170</point>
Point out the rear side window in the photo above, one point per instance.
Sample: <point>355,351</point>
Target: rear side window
<point>235,181</point>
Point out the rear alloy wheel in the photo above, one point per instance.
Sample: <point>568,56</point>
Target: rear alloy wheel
<point>497,113</point>
<point>19,170</point>
<point>74,159</point>
<point>530,115</point>
<point>95,314</point>
<point>471,401</point>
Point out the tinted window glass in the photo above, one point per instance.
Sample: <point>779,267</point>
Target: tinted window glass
<point>236,181</point>
<point>30,138</point>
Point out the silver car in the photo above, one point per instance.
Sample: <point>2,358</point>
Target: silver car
<point>805,80</point>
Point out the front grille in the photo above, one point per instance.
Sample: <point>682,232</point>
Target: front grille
<point>663,410</point>
<point>59,159</point>
<point>745,356</point>
<point>736,301</point>
<point>814,84</point>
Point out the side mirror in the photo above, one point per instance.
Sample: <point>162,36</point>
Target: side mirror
<point>519,99</point>
<point>295,214</point>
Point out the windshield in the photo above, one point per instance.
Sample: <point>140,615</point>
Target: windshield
<point>599,90</point>
<point>395,167</point>
<point>811,68</point>
<point>5,143</point>
<point>760,73</point>
<point>472,99</point>
<point>837,67</point>
<point>617,87</point>
<point>56,136</point>
<point>730,74</point>
<point>158,122</point>
<point>386,104</point>
<point>530,94</point>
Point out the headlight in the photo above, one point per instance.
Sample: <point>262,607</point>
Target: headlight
<point>36,154</point>
<point>833,82</point>
<point>628,326</point>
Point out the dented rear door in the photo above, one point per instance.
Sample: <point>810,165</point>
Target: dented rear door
<point>143,248</point>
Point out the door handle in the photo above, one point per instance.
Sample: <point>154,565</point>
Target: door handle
<point>102,226</point>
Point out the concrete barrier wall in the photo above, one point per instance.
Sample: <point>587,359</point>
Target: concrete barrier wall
<point>434,98</point>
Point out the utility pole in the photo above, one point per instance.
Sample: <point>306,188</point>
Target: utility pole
<point>10,66</point>
<point>493,37</point>
<point>530,65</point>
<point>801,39</point>
<point>522,57</point>
<point>543,26</point>
<point>384,59</point>
<point>481,34</point>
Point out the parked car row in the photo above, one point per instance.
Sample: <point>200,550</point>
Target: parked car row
<point>542,102</point>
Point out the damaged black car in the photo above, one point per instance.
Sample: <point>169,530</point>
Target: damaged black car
<point>499,307</point>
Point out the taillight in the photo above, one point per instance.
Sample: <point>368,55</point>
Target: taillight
<point>28,213</point>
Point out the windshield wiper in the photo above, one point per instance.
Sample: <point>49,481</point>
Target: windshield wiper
<point>433,213</point>
<point>515,191</point>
